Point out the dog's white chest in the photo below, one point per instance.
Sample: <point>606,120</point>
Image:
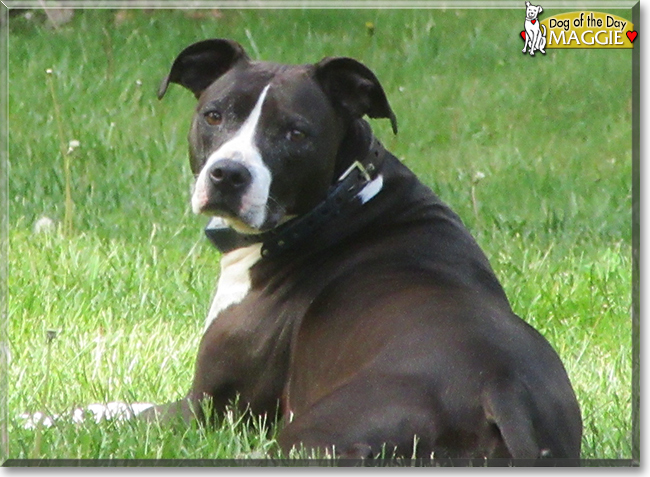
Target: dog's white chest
<point>235,281</point>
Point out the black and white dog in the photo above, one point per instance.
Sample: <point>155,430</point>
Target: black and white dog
<point>352,301</point>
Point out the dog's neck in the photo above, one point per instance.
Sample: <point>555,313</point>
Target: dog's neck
<point>357,142</point>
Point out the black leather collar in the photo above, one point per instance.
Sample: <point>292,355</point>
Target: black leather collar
<point>342,197</point>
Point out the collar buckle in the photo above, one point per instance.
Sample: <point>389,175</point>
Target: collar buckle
<point>365,171</point>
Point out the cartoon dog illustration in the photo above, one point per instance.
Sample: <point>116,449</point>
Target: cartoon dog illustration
<point>535,39</point>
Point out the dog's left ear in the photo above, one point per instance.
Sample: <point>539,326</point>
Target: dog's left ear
<point>200,64</point>
<point>539,9</point>
<point>354,89</point>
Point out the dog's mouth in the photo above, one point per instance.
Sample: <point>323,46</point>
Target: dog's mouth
<point>242,214</point>
<point>245,225</point>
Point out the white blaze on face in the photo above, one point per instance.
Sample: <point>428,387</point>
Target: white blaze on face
<point>241,148</point>
<point>235,281</point>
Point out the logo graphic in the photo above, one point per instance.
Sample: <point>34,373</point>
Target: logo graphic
<point>575,30</point>
<point>533,37</point>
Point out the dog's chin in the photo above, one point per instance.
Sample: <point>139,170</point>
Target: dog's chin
<point>253,220</point>
<point>229,212</point>
<point>243,226</point>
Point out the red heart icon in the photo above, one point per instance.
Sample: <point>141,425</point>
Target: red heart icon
<point>631,35</point>
<point>533,21</point>
<point>523,35</point>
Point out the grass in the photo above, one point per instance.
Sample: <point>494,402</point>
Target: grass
<point>537,164</point>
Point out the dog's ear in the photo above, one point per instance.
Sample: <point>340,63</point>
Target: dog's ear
<point>200,64</point>
<point>527,4</point>
<point>353,89</point>
<point>539,9</point>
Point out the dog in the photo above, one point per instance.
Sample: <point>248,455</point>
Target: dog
<point>352,302</point>
<point>535,39</point>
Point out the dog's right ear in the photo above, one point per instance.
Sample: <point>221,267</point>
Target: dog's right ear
<point>200,64</point>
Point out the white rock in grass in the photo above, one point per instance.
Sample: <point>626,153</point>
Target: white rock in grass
<point>59,16</point>
<point>44,225</point>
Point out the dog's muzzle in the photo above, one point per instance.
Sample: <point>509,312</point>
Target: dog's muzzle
<point>234,190</point>
<point>222,189</point>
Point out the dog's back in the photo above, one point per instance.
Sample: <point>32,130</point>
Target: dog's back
<point>429,346</point>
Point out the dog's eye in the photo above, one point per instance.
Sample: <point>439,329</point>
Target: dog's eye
<point>213,118</point>
<point>296,135</point>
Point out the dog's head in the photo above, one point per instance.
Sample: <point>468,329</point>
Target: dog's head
<point>266,139</point>
<point>532,11</point>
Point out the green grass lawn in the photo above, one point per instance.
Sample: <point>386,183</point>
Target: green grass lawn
<point>533,153</point>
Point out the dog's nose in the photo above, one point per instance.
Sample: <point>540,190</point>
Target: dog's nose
<point>231,175</point>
